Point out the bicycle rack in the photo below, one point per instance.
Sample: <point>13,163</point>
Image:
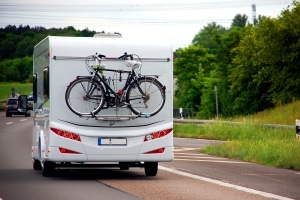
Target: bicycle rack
<point>114,117</point>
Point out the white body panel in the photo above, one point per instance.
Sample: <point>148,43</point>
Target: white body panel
<point>63,59</point>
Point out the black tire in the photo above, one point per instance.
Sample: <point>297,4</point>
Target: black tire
<point>8,114</point>
<point>48,169</point>
<point>124,165</point>
<point>153,100</point>
<point>85,96</point>
<point>36,165</point>
<point>151,168</point>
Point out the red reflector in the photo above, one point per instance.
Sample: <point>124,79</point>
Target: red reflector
<point>64,150</point>
<point>161,150</point>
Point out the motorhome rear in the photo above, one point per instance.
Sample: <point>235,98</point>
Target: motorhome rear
<point>116,136</point>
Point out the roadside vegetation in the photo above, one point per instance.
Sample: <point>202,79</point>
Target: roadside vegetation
<point>6,89</point>
<point>250,140</point>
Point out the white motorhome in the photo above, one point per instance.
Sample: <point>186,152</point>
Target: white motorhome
<point>114,136</point>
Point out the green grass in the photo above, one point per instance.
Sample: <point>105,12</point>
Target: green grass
<point>6,88</point>
<point>20,88</point>
<point>249,142</point>
<point>282,114</point>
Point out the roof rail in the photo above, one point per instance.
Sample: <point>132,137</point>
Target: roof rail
<point>108,35</point>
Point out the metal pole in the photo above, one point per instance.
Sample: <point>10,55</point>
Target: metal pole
<point>217,106</point>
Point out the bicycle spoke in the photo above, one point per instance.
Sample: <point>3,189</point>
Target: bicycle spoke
<point>84,96</point>
<point>148,98</point>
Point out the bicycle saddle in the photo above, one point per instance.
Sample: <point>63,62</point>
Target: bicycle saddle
<point>133,64</point>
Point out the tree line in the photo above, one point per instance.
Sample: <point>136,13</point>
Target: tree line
<point>243,69</point>
<point>16,48</point>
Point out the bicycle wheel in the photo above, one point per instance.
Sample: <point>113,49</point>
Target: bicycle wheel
<point>146,96</point>
<point>84,96</point>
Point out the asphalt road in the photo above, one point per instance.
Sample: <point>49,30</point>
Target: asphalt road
<point>190,176</point>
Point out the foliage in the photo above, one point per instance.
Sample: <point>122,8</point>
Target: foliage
<point>16,48</point>
<point>14,70</point>
<point>191,66</point>
<point>254,66</point>
<point>239,21</point>
<point>206,36</point>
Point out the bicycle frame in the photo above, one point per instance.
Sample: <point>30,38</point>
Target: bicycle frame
<point>108,90</point>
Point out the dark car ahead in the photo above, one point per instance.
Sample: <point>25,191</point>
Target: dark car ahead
<point>12,108</point>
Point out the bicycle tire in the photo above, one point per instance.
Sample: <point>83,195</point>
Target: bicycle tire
<point>84,96</point>
<point>154,100</point>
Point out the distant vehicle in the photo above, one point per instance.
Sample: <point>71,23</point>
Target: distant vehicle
<point>12,108</point>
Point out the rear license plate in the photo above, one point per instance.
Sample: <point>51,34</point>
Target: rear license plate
<point>112,141</point>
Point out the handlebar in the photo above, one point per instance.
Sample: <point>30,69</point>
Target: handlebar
<point>99,56</point>
<point>125,56</point>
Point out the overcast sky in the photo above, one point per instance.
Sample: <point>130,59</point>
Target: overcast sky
<point>179,20</point>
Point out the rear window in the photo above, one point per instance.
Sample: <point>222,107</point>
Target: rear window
<point>12,101</point>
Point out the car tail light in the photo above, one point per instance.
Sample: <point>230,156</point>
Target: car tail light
<point>160,150</point>
<point>66,134</point>
<point>156,135</point>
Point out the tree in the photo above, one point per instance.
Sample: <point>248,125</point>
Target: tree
<point>240,21</point>
<point>191,65</point>
<point>224,57</point>
<point>266,64</point>
<point>205,37</point>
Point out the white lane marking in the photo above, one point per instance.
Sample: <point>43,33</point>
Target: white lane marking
<point>262,174</point>
<point>216,161</point>
<point>9,123</point>
<point>186,149</point>
<point>22,120</point>
<point>198,156</point>
<point>244,189</point>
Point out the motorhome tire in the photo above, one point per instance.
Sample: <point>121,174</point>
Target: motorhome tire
<point>151,168</point>
<point>48,169</point>
<point>36,165</point>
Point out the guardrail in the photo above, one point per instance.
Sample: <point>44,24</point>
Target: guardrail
<point>194,121</point>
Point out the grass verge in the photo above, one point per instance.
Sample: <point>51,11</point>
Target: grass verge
<point>249,142</point>
<point>6,89</point>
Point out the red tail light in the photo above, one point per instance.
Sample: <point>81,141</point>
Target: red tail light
<point>159,134</point>
<point>66,134</point>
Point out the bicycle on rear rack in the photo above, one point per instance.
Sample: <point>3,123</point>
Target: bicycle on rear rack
<point>143,95</point>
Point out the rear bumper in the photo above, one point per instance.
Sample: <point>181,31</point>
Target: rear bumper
<point>132,152</point>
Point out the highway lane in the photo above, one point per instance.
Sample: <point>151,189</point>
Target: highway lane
<point>278,181</point>
<point>19,181</point>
